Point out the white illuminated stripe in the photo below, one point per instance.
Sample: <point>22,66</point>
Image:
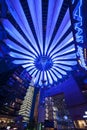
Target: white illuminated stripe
<point>21,56</point>
<point>66,62</point>
<point>57,73</point>
<point>64,67</point>
<point>21,62</point>
<point>64,43</point>
<point>60,70</point>
<point>25,66</point>
<point>19,16</point>
<point>85,116</point>
<point>53,43</point>
<point>29,67</point>
<point>65,24</point>
<point>16,35</point>
<point>32,71</point>
<point>45,77</point>
<point>67,56</point>
<point>65,51</point>
<point>18,48</point>
<point>68,51</point>
<point>41,78</point>
<point>86,112</point>
<point>38,4</point>
<point>49,77</point>
<point>54,8</point>
<point>53,75</point>
<point>34,74</point>
<point>34,11</point>
<point>37,77</point>
<point>30,62</point>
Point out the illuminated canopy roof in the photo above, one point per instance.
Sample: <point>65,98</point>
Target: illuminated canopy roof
<point>40,38</point>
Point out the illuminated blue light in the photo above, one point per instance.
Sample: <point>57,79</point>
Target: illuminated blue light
<point>64,43</point>
<point>78,35</point>
<point>32,71</point>
<point>45,77</point>
<point>51,74</point>
<point>43,63</point>
<point>47,82</point>
<point>16,35</point>
<point>55,78</point>
<point>30,68</point>
<point>19,16</point>
<point>77,11</point>
<point>22,62</point>
<point>59,70</point>
<point>36,13</point>
<point>49,77</point>
<point>35,73</point>
<point>37,78</point>
<point>54,8</point>
<point>73,1</point>
<point>64,67</point>
<point>79,31</point>
<point>57,73</point>
<point>65,62</point>
<point>85,116</point>
<point>20,56</point>
<point>78,26</point>
<point>27,65</point>
<point>18,48</point>
<point>38,4</point>
<point>65,51</point>
<point>41,78</point>
<point>81,55</point>
<point>67,56</point>
<point>39,82</point>
<point>66,23</point>
<point>46,61</point>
